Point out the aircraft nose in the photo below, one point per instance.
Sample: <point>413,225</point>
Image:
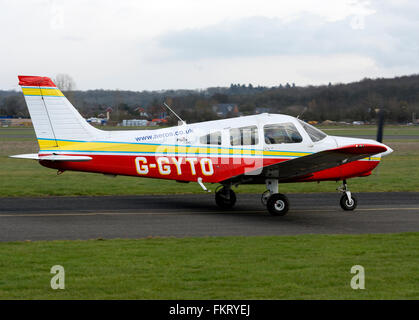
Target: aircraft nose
<point>389,150</point>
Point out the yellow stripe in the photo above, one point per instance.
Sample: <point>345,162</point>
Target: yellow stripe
<point>127,147</point>
<point>285,153</point>
<point>54,92</point>
<point>149,148</point>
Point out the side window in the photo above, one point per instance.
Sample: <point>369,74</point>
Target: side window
<point>314,133</point>
<point>244,136</point>
<point>212,138</point>
<point>281,133</point>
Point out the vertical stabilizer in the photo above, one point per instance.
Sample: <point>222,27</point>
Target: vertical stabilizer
<point>54,117</point>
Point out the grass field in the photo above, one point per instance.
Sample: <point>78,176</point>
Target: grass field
<point>292,267</point>
<point>397,172</point>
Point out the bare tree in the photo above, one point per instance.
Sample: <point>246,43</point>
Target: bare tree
<point>64,82</point>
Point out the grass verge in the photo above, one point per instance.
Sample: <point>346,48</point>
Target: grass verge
<point>280,267</point>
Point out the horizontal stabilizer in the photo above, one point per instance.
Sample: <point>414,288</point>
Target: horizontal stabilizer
<point>33,156</point>
<point>53,157</point>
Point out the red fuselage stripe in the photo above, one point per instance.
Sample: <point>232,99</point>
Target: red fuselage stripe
<point>210,169</point>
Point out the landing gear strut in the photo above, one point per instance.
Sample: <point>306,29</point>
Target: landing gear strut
<point>276,203</point>
<point>225,198</point>
<point>348,201</point>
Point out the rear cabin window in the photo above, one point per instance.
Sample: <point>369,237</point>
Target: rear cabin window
<point>281,133</point>
<point>212,138</point>
<point>244,136</point>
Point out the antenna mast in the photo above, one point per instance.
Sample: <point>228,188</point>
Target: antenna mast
<point>180,119</point>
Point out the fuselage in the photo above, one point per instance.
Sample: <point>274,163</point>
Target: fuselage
<point>214,151</point>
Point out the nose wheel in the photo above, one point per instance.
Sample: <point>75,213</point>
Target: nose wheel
<point>278,204</point>
<point>348,201</point>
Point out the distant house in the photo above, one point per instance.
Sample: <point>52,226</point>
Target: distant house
<point>224,109</point>
<point>134,123</point>
<point>142,112</point>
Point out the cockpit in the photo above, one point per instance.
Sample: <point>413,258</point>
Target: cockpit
<point>275,133</point>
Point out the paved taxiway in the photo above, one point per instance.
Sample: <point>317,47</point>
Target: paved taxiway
<point>197,215</point>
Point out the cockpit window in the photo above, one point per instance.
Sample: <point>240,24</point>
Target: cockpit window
<point>314,133</point>
<point>281,133</point>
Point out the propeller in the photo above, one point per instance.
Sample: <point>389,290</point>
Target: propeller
<point>380,124</point>
<point>380,128</point>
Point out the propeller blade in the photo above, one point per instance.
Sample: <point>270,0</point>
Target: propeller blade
<point>380,125</point>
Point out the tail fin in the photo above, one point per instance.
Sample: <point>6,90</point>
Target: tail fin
<point>54,117</point>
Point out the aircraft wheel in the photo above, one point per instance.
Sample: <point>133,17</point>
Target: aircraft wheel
<point>346,204</point>
<point>278,204</point>
<point>225,198</point>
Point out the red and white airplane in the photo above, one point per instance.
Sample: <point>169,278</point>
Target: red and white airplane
<point>260,149</point>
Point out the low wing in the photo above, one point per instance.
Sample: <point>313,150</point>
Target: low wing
<point>306,165</point>
<point>53,157</point>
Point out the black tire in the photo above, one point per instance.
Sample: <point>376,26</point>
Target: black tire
<point>346,205</point>
<point>225,198</point>
<point>278,204</point>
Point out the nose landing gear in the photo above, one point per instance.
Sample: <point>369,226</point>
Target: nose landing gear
<point>278,204</point>
<point>348,201</point>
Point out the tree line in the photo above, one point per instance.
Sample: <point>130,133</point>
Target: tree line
<point>398,96</point>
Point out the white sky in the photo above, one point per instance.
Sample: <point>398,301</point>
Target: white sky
<point>145,45</point>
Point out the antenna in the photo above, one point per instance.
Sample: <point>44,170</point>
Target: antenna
<point>305,109</point>
<point>180,119</point>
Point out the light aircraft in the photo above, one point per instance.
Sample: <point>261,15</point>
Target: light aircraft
<point>259,149</point>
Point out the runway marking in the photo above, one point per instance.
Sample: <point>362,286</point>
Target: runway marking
<point>115,213</point>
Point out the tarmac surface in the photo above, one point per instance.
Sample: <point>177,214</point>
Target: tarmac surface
<point>111,217</point>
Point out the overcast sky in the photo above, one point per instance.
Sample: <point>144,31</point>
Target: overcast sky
<point>156,44</point>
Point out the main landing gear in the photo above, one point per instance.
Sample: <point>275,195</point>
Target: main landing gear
<point>348,201</point>
<point>277,203</point>
<point>225,197</point>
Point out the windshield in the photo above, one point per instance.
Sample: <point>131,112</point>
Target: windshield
<point>314,133</point>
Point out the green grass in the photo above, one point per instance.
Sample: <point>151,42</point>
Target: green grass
<point>291,267</point>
